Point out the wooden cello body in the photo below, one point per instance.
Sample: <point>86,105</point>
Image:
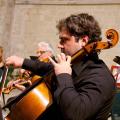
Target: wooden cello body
<point>32,105</point>
<point>39,98</point>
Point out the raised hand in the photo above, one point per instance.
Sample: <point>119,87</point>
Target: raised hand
<point>62,65</point>
<point>15,61</point>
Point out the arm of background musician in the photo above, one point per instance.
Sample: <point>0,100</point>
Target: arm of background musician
<point>15,61</point>
<point>20,87</point>
<point>36,66</point>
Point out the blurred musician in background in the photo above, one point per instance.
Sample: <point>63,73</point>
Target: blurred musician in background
<point>25,77</point>
<point>1,60</point>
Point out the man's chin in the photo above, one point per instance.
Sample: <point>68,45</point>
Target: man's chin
<point>67,53</point>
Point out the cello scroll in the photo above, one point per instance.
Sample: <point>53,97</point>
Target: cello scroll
<point>111,35</point>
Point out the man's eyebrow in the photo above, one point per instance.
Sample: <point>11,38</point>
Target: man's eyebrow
<point>63,37</point>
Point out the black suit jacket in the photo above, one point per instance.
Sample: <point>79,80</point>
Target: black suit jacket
<point>86,95</point>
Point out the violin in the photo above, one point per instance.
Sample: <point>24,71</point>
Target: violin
<point>7,90</point>
<point>22,79</point>
<point>40,95</point>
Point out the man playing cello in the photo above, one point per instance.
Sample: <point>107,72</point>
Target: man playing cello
<point>85,88</point>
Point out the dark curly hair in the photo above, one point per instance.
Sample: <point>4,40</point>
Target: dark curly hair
<point>81,25</point>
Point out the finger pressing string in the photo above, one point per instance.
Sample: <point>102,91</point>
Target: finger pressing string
<point>59,59</point>
<point>63,57</point>
<point>52,61</point>
<point>68,59</point>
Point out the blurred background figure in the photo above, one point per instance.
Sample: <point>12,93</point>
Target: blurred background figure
<point>115,69</point>
<point>1,60</point>
<point>20,82</point>
<point>1,71</point>
<point>43,51</point>
<point>26,78</point>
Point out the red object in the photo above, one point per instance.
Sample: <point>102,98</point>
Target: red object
<point>116,75</point>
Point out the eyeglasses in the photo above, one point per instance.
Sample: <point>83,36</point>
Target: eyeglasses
<point>41,52</point>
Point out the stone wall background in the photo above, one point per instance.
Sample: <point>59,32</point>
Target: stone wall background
<point>24,23</point>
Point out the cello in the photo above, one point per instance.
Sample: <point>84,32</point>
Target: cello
<point>40,94</point>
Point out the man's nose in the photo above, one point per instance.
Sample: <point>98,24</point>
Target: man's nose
<point>60,46</point>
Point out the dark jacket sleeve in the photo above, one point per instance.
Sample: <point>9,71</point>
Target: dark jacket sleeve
<point>87,98</point>
<point>37,67</point>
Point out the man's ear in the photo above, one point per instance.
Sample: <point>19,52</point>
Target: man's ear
<point>85,40</point>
